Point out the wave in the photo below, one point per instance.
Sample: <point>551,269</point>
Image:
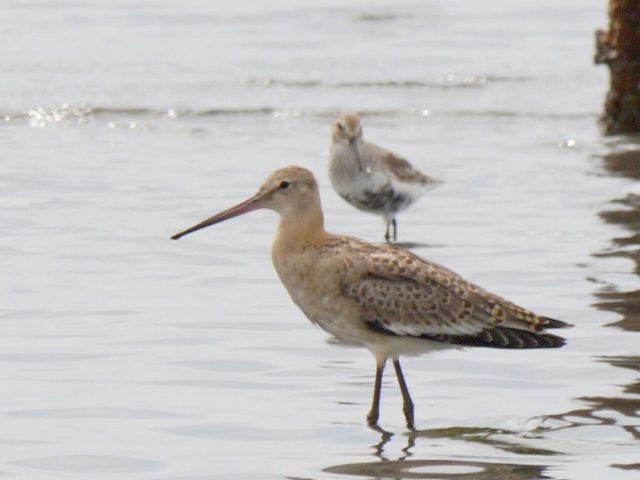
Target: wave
<point>130,117</point>
<point>447,82</point>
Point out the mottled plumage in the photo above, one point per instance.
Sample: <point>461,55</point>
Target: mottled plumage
<point>398,293</point>
<point>371,178</point>
<point>380,297</point>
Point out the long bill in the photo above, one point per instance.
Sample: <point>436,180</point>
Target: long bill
<point>247,206</point>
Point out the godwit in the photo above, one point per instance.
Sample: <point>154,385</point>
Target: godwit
<point>371,178</point>
<point>380,297</point>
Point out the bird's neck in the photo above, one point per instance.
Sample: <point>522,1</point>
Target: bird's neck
<point>298,228</point>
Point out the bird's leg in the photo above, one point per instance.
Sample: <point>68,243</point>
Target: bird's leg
<point>374,413</point>
<point>395,229</point>
<point>387,233</point>
<point>407,406</point>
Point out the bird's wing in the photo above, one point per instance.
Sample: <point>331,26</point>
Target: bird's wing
<point>402,170</point>
<point>401,294</point>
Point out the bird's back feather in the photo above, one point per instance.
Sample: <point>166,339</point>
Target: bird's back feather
<point>401,294</point>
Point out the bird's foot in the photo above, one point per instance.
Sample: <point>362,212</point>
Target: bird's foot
<point>408,415</point>
<point>410,425</point>
<point>372,418</point>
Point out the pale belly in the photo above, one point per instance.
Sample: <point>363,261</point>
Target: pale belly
<point>335,317</point>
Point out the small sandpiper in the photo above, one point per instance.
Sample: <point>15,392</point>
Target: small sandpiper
<point>371,178</point>
<point>380,297</point>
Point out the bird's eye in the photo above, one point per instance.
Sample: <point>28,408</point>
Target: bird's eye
<point>284,185</point>
<point>340,126</point>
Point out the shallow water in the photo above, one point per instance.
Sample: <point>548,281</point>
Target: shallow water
<point>130,356</point>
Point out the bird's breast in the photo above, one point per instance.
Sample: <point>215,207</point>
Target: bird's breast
<point>309,283</point>
<point>314,286</point>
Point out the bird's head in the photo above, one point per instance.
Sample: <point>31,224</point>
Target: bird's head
<point>286,190</point>
<point>347,129</point>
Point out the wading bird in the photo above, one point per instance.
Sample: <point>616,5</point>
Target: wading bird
<point>371,178</point>
<point>380,297</point>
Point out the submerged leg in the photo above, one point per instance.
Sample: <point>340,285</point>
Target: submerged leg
<point>407,406</point>
<point>374,413</point>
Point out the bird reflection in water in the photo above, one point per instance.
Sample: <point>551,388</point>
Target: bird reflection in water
<point>403,467</point>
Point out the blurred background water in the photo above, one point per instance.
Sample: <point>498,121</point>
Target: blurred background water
<point>126,355</point>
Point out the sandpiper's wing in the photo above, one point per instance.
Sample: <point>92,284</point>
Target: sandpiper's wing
<point>400,168</point>
<point>399,293</point>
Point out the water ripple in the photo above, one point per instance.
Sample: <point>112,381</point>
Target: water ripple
<point>111,413</point>
<point>102,464</point>
<point>134,118</point>
<point>446,82</point>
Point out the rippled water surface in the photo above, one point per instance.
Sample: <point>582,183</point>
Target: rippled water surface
<point>127,355</point>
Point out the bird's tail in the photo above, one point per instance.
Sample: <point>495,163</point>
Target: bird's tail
<point>553,323</point>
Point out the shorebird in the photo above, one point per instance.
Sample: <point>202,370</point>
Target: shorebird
<point>380,297</point>
<point>371,178</point>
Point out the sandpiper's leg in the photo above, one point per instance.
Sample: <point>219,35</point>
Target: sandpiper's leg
<point>374,413</point>
<point>395,229</point>
<point>387,233</point>
<point>407,406</point>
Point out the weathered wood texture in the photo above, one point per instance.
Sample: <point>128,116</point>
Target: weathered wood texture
<point>619,48</point>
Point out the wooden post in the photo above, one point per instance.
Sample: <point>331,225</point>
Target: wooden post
<point>619,48</point>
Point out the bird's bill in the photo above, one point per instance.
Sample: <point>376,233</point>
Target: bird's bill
<point>247,206</point>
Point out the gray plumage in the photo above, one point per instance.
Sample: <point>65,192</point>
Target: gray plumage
<point>372,178</point>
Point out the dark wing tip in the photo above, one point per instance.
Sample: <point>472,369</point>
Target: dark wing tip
<point>553,323</point>
<point>554,341</point>
<point>497,337</point>
<point>503,337</point>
